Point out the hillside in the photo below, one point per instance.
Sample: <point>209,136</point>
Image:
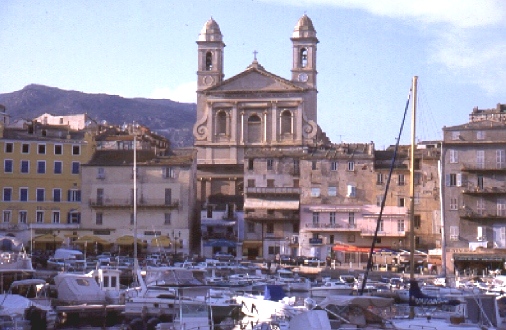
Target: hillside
<point>171,119</point>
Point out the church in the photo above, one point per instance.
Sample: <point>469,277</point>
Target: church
<point>255,111</point>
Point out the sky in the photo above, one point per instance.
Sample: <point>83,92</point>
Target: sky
<point>368,53</point>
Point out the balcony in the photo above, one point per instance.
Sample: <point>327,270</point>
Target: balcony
<point>484,167</point>
<point>470,214</point>
<point>142,203</point>
<point>475,190</point>
<point>228,236</point>
<point>13,226</point>
<point>332,227</point>
<point>381,233</point>
<point>276,216</point>
<point>273,190</point>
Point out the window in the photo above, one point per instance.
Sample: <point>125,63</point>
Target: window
<point>58,149</point>
<point>41,166</point>
<point>315,192</point>
<point>480,135</point>
<point>454,233</point>
<point>401,202</point>
<point>455,135</point>
<point>250,164</point>
<point>379,199</point>
<point>286,122</point>
<point>296,166</point>
<point>25,148</point>
<point>351,238</point>
<point>303,58</point>
<point>209,61</point>
<point>251,182</point>
<point>74,217</point>
<point>40,194</point>
<point>333,166</point>
<point>8,165</point>
<point>417,219</point>
<point>25,166</point>
<point>479,181</point>
<point>22,216</point>
<point>453,204</point>
<point>400,180</point>
<point>351,191</point>
<point>351,219</point>
<point>23,194</point>
<point>332,191</point>
<point>379,178</point>
<point>332,216</point>
<point>381,225</point>
<point>454,156</point>
<point>9,147</point>
<point>270,163</point>
<point>451,180</point>
<point>400,225</point>
<point>221,123</point>
<point>416,198</point>
<point>501,207</point>
<point>58,165</point>
<point>167,218</point>
<point>41,149</point>
<point>168,196</point>
<point>100,173</point>
<point>99,220</point>
<point>169,172</point>
<point>313,165</point>
<point>76,150</point>
<point>270,183</point>
<point>316,218</point>
<point>269,228</point>
<point>55,217</point>
<point>7,194</point>
<point>480,158</point>
<point>74,195</point>
<point>418,177</point>
<point>75,167</point>
<point>351,166</point>
<point>499,158</point>
<point>480,206</point>
<point>296,183</point>
<point>251,227</point>
<point>39,216</point>
<point>7,216</point>
<point>56,195</point>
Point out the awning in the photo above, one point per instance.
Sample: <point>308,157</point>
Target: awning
<point>91,239</point>
<point>479,257</point>
<point>220,242</point>
<point>349,248</point>
<point>161,241</point>
<point>127,240</point>
<point>48,238</point>
<point>255,203</point>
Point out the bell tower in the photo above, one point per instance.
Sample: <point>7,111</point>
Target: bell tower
<point>304,53</point>
<point>210,55</point>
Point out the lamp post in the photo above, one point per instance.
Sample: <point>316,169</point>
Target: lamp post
<point>176,241</point>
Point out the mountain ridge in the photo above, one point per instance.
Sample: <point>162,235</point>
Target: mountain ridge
<point>168,118</point>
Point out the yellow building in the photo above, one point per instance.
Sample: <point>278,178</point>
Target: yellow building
<point>40,182</point>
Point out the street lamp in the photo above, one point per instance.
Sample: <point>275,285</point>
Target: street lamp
<point>176,241</point>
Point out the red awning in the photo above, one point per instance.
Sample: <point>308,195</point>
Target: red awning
<point>350,248</point>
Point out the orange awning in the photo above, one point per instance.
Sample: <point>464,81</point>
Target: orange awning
<point>350,248</point>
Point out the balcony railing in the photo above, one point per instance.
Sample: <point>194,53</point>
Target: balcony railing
<point>227,236</point>
<point>273,190</point>
<point>476,190</point>
<point>274,216</point>
<point>391,233</point>
<point>468,213</point>
<point>13,226</point>
<point>484,166</point>
<point>142,203</point>
<point>332,226</point>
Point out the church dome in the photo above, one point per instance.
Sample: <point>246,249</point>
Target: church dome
<point>304,28</point>
<point>210,32</point>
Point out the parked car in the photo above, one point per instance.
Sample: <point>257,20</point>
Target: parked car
<point>298,260</point>
<point>285,259</point>
<point>223,256</point>
<point>313,261</point>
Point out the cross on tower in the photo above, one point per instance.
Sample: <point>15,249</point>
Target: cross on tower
<point>255,55</point>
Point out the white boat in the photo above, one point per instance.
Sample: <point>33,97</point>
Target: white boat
<point>335,287</point>
<point>67,260</point>
<point>291,281</point>
<point>15,263</point>
<point>20,313</point>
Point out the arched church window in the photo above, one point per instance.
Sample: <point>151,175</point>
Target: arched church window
<point>286,122</point>
<point>303,58</point>
<point>254,129</point>
<point>209,61</point>
<point>221,122</point>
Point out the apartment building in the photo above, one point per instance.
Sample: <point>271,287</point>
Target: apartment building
<point>474,200</point>
<point>40,179</point>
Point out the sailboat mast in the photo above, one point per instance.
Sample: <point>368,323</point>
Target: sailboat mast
<point>412,184</point>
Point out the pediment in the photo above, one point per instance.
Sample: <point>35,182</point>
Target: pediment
<point>256,80</point>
